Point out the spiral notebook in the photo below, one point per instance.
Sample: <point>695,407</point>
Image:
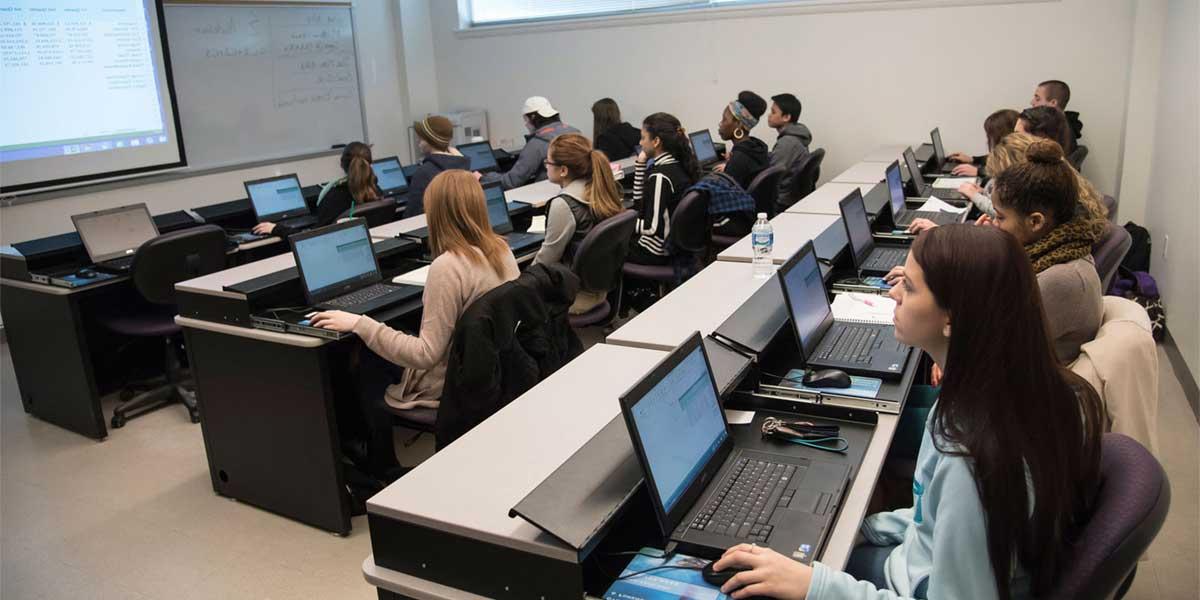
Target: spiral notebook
<point>854,307</point>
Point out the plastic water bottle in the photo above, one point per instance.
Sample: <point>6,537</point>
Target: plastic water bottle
<point>762,239</point>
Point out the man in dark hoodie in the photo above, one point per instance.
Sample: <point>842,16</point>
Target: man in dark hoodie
<point>792,144</point>
<point>433,139</point>
<point>748,157</point>
<point>1057,94</point>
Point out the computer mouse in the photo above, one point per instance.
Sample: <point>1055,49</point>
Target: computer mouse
<point>827,378</point>
<point>85,274</point>
<point>304,322</point>
<point>718,578</point>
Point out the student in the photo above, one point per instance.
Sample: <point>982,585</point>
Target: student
<point>614,137</point>
<point>358,186</point>
<point>1057,94</point>
<point>995,126</point>
<point>1047,122</point>
<point>658,188</point>
<point>434,134</point>
<point>747,158</point>
<point>589,195</point>
<point>792,144</point>
<point>544,124</point>
<point>470,260</point>
<point>990,514</point>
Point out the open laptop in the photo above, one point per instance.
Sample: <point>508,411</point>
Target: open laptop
<point>938,166</point>
<point>702,146</point>
<point>709,494</point>
<point>111,237</point>
<point>279,200</point>
<point>338,270</point>
<point>901,216</point>
<point>481,155</point>
<point>497,207</point>
<point>868,257</point>
<point>856,348</point>
<point>919,189</point>
<point>390,176</point>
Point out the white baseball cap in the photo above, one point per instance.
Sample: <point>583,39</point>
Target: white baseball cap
<point>539,105</point>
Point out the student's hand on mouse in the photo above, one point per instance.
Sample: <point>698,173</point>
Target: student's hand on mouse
<point>895,276</point>
<point>969,189</point>
<point>264,228</point>
<point>919,225</point>
<point>770,574</point>
<point>719,168</point>
<point>336,320</point>
<point>985,220</point>
<point>959,157</point>
<point>477,175</point>
<point>935,375</point>
<point>965,170</point>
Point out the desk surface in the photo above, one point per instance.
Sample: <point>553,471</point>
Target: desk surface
<point>701,303</point>
<point>395,228</point>
<point>214,284</point>
<point>537,194</point>
<point>854,507</point>
<point>792,230</point>
<point>863,172</point>
<point>469,487</point>
<point>824,200</point>
<point>885,153</point>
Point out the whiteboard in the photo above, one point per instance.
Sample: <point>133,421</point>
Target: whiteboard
<point>261,82</point>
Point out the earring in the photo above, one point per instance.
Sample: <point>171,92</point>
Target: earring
<point>738,133</point>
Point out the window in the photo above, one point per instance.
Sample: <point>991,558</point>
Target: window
<point>502,12</point>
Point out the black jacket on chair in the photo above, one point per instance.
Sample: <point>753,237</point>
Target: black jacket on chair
<point>505,343</point>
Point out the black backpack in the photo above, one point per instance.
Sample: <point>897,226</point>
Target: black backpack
<point>1138,257</point>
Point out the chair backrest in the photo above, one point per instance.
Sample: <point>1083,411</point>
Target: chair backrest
<point>1109,251</point>
<point>379,212</point>
<point>765,189</point>
<point>600,255</point>
<point>690,226</point>
<point>168,259</point>
<point>1111,205</point>
<point>808,170</point>
<point>1077,155</point>
<point>1129,510</point>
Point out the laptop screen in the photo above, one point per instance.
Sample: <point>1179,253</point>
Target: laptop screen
<point>390,175</point>
<point>497,208</point>
<point>702,145</point>
<point>336,259</point>
<point>805,294</point>
<point>480,154</point>
<point>111,234</point>
<point>277,197</point>
<point>939,151</point>
<point>895,188</point>
<point>914,170</point>
<point>679,426</point>
<point>858,227</point>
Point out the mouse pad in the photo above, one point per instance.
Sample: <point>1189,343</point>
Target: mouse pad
<point>861,387</point>
<point>678,577</point>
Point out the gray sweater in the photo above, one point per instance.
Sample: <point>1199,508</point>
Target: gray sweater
<point>791,146</point>
<point>560,225</point>
<point>1074,305</point>
<point>530,165</point>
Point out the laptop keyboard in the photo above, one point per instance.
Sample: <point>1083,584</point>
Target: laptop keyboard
<point>853,345</point>
<point>363,296</point>
<point>885,258</point>
<point>743,505</point>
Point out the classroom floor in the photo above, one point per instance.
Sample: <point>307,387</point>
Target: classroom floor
<point>135,517</point>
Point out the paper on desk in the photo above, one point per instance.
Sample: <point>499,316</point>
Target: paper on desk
<point>538,224</point>
<point>951,183</point>
<point>863,308</point>
<point>739,417</point>
<point>937,204</point>
<point>416,277</point>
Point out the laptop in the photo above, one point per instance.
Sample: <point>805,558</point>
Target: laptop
<point>111,237</point>
<point>938,166</point>
<point>390,176</point>
<point>919,189</point>
<point>901,216</point>
<point>864,349</point>
<point>702,146</point>
<point>338,270</point>
<point>497,207</point>
<point>481,155</point>
<point>279,200</point>
<point>709,494</point>
<point>868,257</point>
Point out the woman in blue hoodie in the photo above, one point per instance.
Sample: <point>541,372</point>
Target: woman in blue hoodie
<point>1011,455</point>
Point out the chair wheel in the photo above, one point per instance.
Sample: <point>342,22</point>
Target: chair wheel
<point>118,422</point>
<point>126,395</point>
<point>195,417</point>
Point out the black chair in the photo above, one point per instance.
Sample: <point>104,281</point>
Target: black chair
<point>806,172</point>
<point>379,212</point>
<point>1077,155</point>
<point>765,189</point>
<point>598,263</point>
<point>689,239</point>
<point>157,266</point>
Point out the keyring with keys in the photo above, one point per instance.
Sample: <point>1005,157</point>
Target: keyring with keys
<point>806,433</point>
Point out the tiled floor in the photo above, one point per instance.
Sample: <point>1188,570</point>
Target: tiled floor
<point>135,517</point>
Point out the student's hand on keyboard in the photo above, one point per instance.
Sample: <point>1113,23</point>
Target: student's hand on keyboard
<point>719,168</point>
<point>985,220</point>
<point>969,189</point>
<point>965,170</point>
<point>769,574</point>
<point>959,157</point>
<point>264,228</point>
<point>919,225</point>
<point>336,320</point>
<point>895,276</point>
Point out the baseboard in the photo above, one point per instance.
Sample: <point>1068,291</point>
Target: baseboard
<point>1186,378</point>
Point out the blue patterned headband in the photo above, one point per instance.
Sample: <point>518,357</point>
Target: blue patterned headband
<point>742,115</point>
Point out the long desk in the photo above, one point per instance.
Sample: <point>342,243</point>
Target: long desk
<point>824,200</point>
<point>863,172</point>
<point>886,153</point>
<point>792,230</point>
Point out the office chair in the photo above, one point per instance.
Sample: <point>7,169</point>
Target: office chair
<point>1077,155</point>
<point>689,239</point>
<point>1109,251</point>
<point>598,263</point>
<point>804,178</point>
<point>1130,508</point>
<point>765,190</point>
<point>157,266</point>
<point>379,212</point>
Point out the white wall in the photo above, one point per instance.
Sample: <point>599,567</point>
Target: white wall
<point>383,98</point>
<point>1173,207</point>
<point>848,68</point>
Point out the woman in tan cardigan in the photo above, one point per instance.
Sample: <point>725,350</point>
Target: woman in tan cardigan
<point>469,260</point>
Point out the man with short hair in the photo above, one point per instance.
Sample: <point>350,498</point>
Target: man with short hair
<point>792,144</point>
<point>1053,92</point>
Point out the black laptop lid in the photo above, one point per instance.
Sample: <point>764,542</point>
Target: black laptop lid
<point>914,171</point>
<point>808,304</point>
<point>756,322</point>
<point>390,175</point>
<point>677,429</point>
<point>858,226</point>
<point>335,260</point>
<point>939,151</point>
<point>480,154</point>
<point>702,145</point>
<point>276,198</point>
<point>497,208</point>
<point>895,189</point>
<point>115,232</point>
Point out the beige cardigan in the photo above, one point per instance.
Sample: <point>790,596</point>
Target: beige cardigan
<point>1071,298</point>
<point>452,285</point>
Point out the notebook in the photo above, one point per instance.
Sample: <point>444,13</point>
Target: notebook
<point>952,183</point>
<point>854,307</point>
<point>937,204</point>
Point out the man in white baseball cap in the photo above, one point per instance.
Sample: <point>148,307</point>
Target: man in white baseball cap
<point>544,124</point>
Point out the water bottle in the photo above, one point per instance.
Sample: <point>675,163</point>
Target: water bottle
<point>762,239</point>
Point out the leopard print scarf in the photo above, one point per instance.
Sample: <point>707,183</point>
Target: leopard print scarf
<point>1067,242</point>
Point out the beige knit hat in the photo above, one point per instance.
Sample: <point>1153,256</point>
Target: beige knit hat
<point>436,130</point>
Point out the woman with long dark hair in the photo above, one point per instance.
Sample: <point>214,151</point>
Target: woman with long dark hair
<point>658,188</point>
<point>1010,459</point>
<point>614,137</point>
<point>359,186</point>
<point>995,127</point>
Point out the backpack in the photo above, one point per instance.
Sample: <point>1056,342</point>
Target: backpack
<point>1138,257</point>
<point>1140,287</point>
